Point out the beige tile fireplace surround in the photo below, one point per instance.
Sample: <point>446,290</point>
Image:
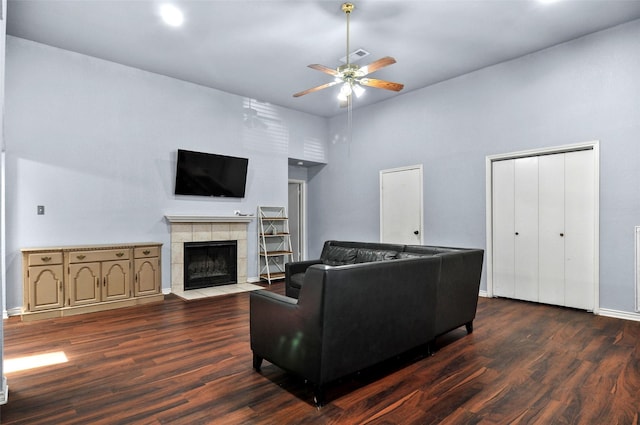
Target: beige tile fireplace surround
<point>190,228</point>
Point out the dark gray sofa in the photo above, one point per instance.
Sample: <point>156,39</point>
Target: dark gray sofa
<point>458,287</point>
<point>360,304</point>
<point>346,318</point>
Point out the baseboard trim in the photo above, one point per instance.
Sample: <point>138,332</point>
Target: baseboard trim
<point>253,279</point>
<point>483,294</point>
<point>4,393</point>
<point>15,311</point>
<point>617,314</point>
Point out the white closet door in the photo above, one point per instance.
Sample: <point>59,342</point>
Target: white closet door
<point>526,228</point>
<point>503,228</point>
<point>580,229</point>
<point>551,194</point>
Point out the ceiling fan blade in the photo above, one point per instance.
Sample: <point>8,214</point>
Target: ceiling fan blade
<point>324,86</point>
<point>381,84</point>
<point>324,69</point>
<point>376,65</point>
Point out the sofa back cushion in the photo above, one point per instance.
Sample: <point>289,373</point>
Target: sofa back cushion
<point>339,256</point>
<point>365,255</point>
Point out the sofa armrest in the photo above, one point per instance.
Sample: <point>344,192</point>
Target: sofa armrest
<point>293,268</point>
<point>283,332</point>
<point>299,266</point>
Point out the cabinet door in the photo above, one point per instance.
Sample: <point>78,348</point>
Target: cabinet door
<point>84,283</point>
<point>45,287</point>
<point>503,228</point>
<point>115,280</point>
<point>147,276</point>
<point>526,228</point>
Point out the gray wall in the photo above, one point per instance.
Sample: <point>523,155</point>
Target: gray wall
<point>587,89</point>
<point>95,143</point>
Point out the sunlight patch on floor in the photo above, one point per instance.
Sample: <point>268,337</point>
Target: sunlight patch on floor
<point>35,361</point>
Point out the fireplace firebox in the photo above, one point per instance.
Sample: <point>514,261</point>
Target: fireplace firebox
<point>210,263</point>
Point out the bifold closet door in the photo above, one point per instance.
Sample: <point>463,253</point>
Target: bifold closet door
<point>526,228</point>
<point>503,206</point>
<point>580,229</point>
<point>544,228</point>
<point>515,228</point>
<point>551,218</point>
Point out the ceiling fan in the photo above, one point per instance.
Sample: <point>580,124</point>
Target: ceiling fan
<point>352,76</point>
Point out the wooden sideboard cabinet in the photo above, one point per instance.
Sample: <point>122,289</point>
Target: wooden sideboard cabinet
<point>61,281</point>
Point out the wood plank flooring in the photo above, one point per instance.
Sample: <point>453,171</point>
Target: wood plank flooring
<point>183,362</point>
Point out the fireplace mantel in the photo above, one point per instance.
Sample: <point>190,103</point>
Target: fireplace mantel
<point>209,218</point>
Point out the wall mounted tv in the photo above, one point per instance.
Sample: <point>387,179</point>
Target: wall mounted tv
<point>206,174</point>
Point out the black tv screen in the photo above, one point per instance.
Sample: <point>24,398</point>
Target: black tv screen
<point>206,174</point>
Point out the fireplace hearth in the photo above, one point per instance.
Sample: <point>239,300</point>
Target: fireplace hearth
<point>210,263</point>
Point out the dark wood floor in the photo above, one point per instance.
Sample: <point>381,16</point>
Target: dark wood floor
<point>189,363</point>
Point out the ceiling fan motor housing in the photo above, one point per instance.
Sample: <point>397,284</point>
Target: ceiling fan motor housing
<point>347,7</point>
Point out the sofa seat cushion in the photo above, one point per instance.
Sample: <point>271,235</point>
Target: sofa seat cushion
<point>339,256</point>
<point>366,255</point>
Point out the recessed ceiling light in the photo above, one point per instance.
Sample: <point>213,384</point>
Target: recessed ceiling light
<point>171,15</point>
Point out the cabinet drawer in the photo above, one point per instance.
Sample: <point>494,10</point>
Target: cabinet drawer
<point>146,251</point>
<point>44,258</point>
<point>101,255</point>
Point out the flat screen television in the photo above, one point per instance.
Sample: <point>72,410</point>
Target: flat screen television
<point>207,174</point>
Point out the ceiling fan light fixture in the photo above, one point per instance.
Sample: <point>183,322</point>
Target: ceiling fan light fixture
<point>346,89</point>
<point>358,90</point>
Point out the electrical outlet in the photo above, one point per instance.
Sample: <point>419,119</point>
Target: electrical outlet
<point>40,209</point>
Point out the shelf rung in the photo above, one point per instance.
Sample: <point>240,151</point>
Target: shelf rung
<point>274,276</point>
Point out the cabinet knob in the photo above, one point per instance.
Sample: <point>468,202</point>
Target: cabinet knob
<point>146,252</point>
<point>517,233</point>
<point>45,259</point>
<point>119,254</point>
<point>561,235</point>
<point>81,257</point>
<point>416,232</point>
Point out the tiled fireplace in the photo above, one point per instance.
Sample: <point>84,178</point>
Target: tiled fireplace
<point>205,229</point>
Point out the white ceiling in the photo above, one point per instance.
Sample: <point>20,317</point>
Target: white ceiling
<point>261,49</point>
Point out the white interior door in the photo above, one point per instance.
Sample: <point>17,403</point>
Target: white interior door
<point>401,213</point>
<point>296,208</point>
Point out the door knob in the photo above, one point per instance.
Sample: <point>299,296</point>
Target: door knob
<point>416,232</point>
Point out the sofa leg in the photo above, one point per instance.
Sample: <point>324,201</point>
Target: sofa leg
<point>431,347</point>
<point>257,362</point>
<point>469,327</point>
<point>318,396</point>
